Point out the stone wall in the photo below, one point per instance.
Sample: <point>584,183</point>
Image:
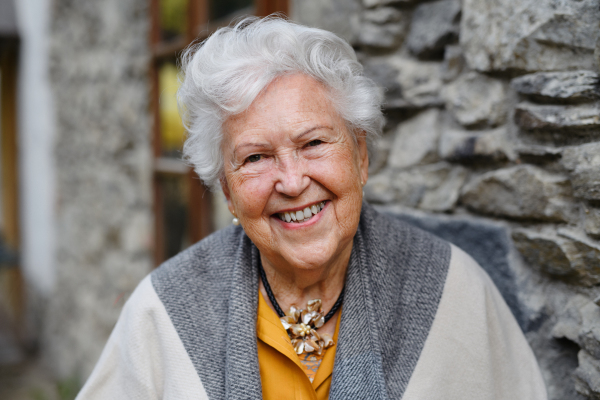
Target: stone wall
<point>493,142</point>
<point>99,60</point>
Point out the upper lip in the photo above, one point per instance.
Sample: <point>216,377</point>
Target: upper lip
<point>289,210</point>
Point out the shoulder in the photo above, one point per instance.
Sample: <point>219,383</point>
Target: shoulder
<point>475,348</point>
<point>470,298</point>
<point>401,245</point>
<point>390,228</point>
<point>209,260</point>
<point>470,289</point>
<point>144,357</point>
<point>466,273</point>
<point>195,287</point>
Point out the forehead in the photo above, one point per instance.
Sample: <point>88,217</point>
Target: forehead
<point>288,104</point>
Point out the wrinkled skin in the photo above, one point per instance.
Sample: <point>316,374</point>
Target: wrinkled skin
<point>289,150</point>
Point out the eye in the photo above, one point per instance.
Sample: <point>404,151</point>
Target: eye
<point>314,143</point>
<point>254,158</point>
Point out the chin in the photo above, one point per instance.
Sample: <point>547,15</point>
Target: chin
<point>310,257</point>
<point>309,263</point>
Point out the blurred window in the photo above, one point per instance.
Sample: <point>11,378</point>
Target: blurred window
<point>184,209</point>
<point>172,133</point>
<point>173,21</point>
<point>175,201</point>
<point>11,282</point>
<point>222,8</point>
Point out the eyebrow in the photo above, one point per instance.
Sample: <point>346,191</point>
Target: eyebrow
<point>264,145</point>
<point>314,128</point>
<point>241,146</point>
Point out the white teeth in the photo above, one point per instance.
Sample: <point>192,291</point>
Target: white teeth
<point>307,213</point>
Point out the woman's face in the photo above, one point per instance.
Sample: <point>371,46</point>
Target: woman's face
<point>291,152</point>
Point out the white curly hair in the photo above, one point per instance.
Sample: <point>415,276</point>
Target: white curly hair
<point>225,73</point>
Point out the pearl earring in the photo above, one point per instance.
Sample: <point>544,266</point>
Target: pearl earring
<point>236,221</point>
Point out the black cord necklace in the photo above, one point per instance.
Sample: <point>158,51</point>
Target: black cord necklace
<point>263,277</point>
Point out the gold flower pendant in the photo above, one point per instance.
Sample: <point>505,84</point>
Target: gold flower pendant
<point>301,325</point>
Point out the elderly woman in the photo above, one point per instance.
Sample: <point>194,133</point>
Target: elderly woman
<point>310,294</point>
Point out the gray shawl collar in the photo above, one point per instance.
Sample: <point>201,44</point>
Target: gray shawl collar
<point>393,285</point>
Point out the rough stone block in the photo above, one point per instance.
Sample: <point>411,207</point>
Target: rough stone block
<point>543,251</point>
<point>583,164</point>
<point>570,86</point>
<point>476,100</point>
<point>537,154</point>
<point>378,188</point>
<point>530,35</point>
<point>385,77</point>
<point>584,255</point>
<point>566,254</point>
<point>569,321</point>
<point>454,63</point>
<point>416,140</point>
<point>377,3</point>
<point>383,15</point>
<point>431,187</point>
<point>443,189</point>
<point>587,376</point>
<point>589,333</point>
<point>433,26</point>
<point>459,145</point>
<point>521,192</point>
<point>597,52</point>
<point>591,222</point>
<point>383,28</point>
<point>379,153</point>
<point>338,16</point>
<point>569,119</point>
<point>408,83</point>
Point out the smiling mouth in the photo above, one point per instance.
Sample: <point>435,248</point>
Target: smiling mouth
<point>301,215</point>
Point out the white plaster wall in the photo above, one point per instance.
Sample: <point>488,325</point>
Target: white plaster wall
<point>36,147</point>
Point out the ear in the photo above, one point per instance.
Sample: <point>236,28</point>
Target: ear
<point>225,188</point>
<point>363,158</point>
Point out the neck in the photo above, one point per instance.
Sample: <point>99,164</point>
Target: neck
<point>296,286</point>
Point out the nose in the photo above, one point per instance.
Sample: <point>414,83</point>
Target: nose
<point>292,179</point>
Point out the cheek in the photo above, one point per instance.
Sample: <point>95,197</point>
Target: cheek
<point>249,194</point>
<point>338,170</point>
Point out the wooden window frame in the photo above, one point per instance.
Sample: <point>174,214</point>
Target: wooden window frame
<point>200,222</point>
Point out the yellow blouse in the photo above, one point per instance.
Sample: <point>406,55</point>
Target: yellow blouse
<point>282,373</point>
